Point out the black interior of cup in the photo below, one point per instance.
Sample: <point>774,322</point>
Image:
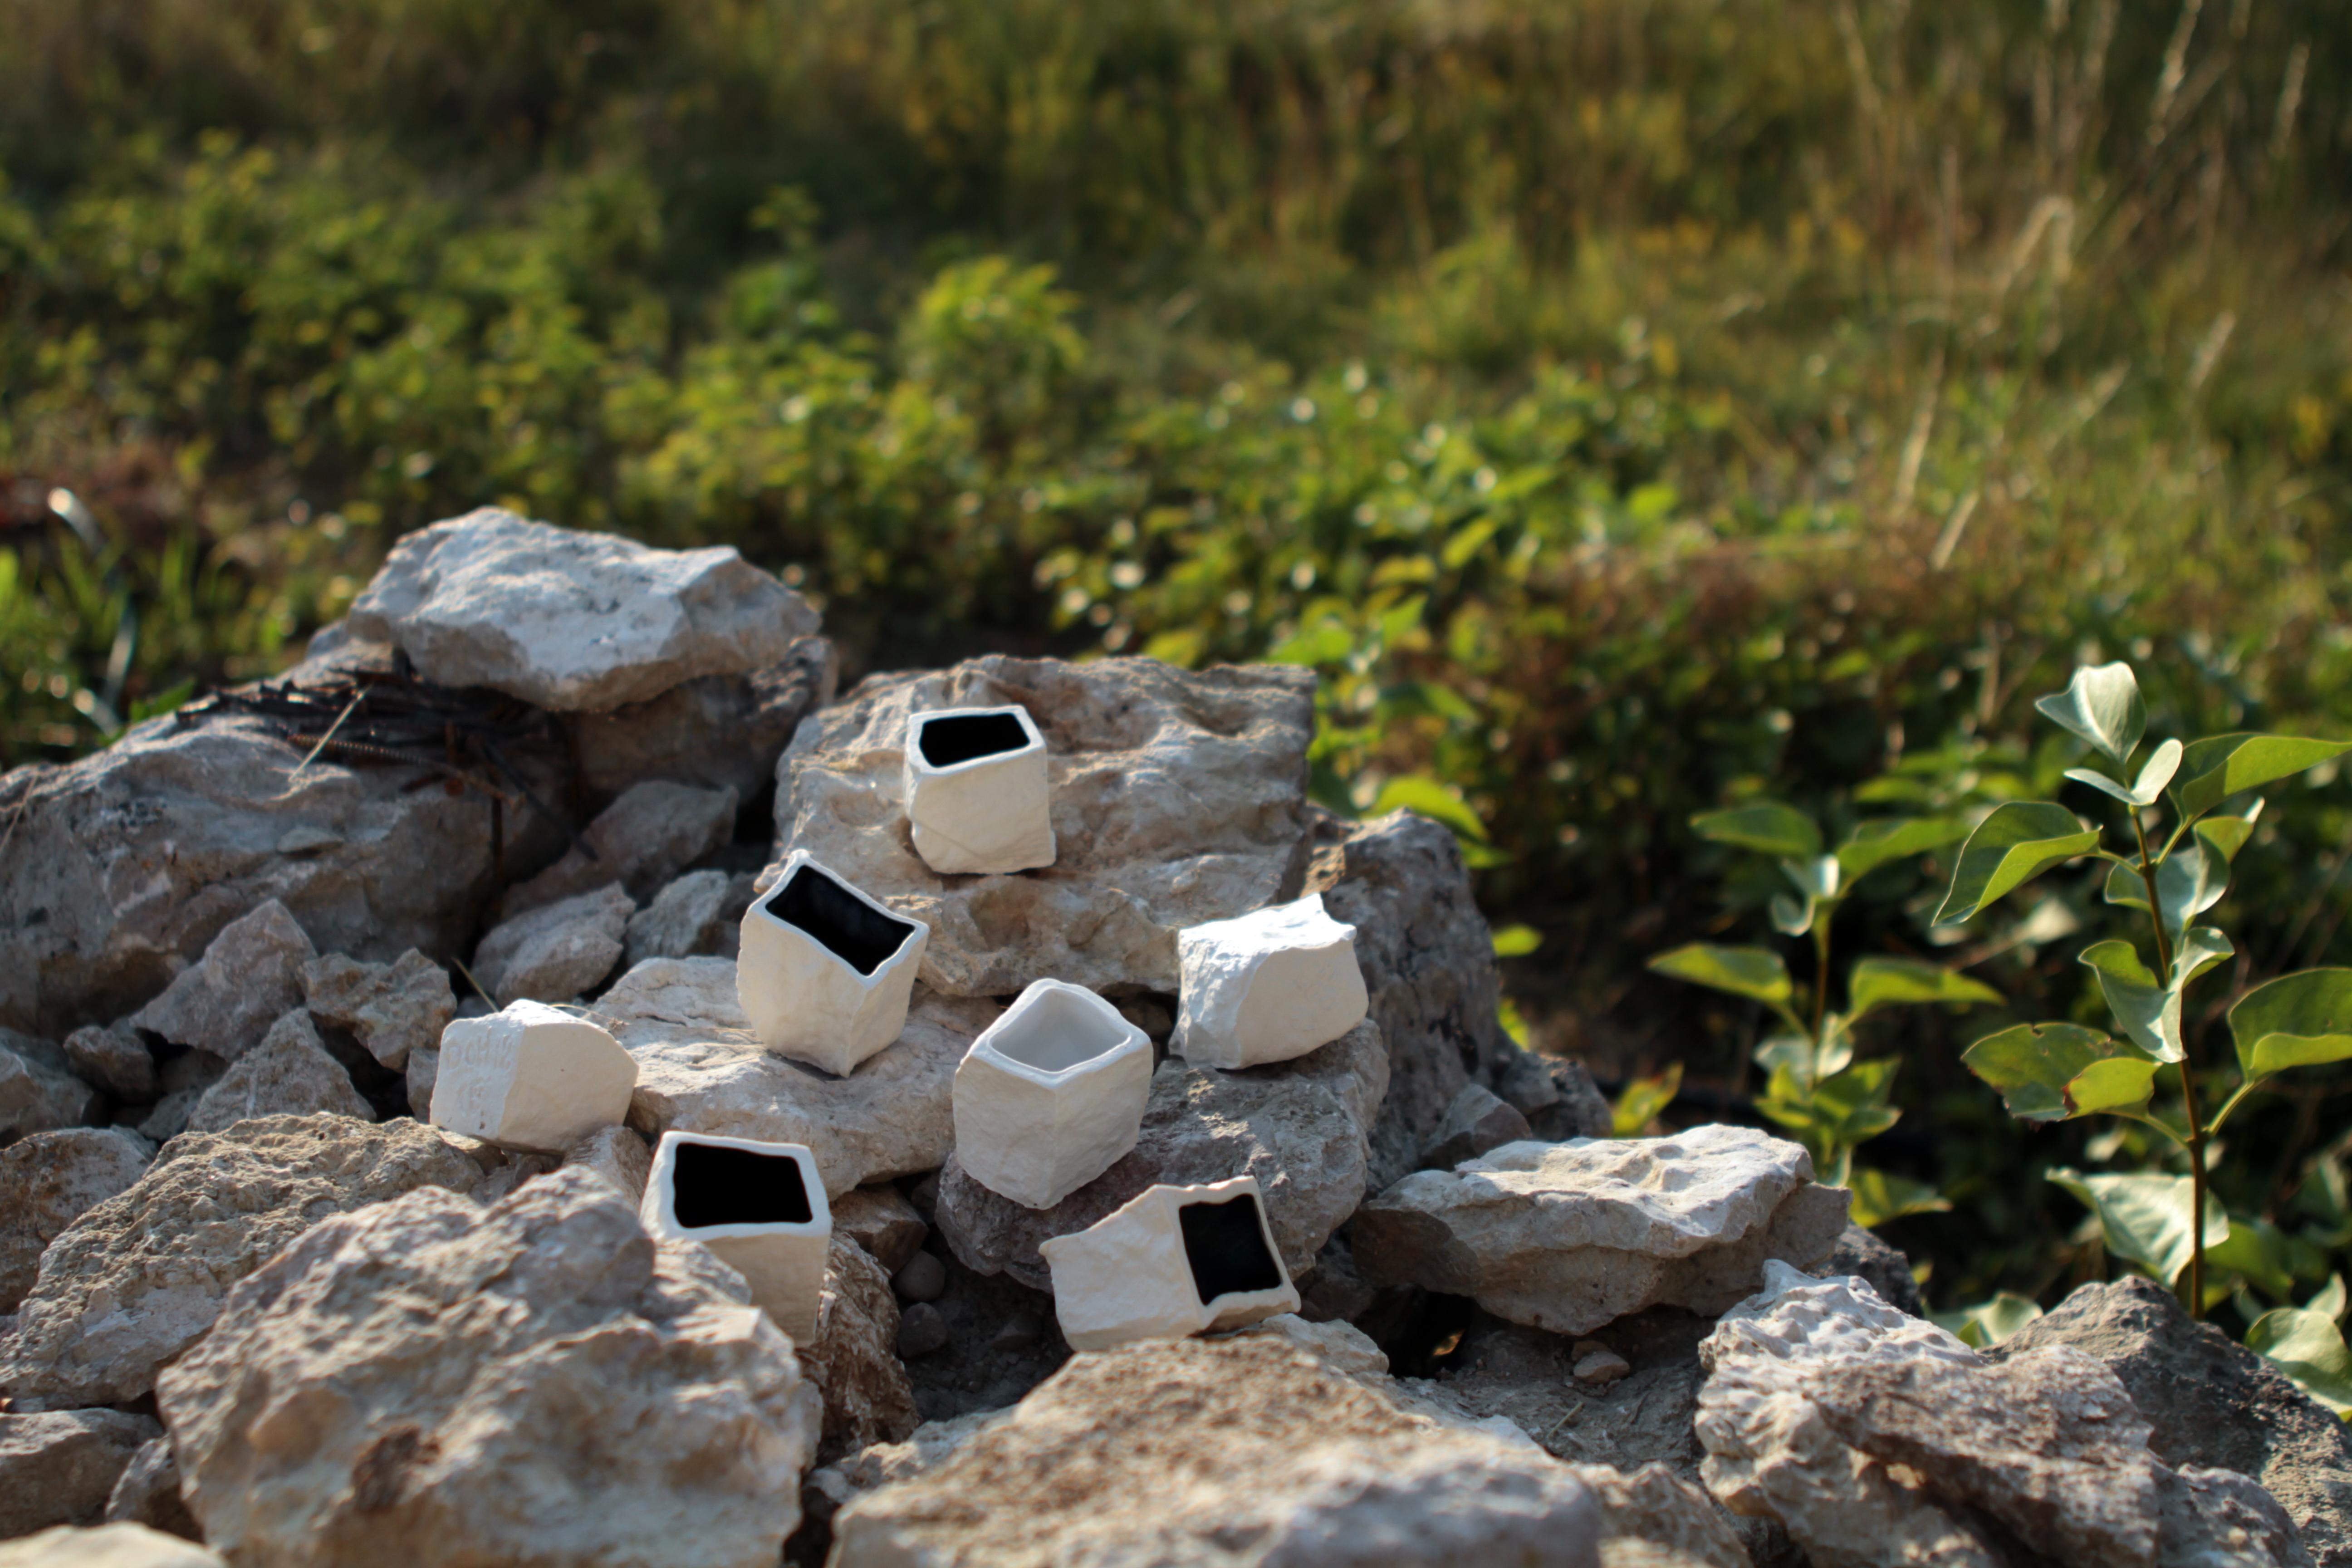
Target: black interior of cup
<point>960,737</point>
<point>711,1184</point>
<point>859,934</point>
<point>1225,1242</point>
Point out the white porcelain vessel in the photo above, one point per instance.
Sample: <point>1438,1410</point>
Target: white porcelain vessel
<point>824,972</point>
<point>1051,1094</point>
<point>760,1206</point>
<point>1268,986</point>
<point>531,1077</point>
<point>1172,1262</point>
<point>976,789</point>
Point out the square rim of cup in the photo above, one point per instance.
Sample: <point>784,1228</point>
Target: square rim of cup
<point>1036,997</point>
<point>802,860</point>
<point>1179,1197</point>
<point>916,762</point>
<point>820,1220</point>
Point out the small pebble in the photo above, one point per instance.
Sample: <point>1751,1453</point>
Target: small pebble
<point>1602,1367</point>
<point>1019,1332</point>
<point>921,1330</point>
<point>924,1279</point>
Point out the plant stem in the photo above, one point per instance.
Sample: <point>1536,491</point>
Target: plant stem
<point>2188,1085</point>
<point>1821,988</point>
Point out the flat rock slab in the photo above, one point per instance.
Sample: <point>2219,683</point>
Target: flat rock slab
<point>573,621</point>
<point>1178,798</point>
<point>1570,1237</point>
<point>1299,1127</point>
<point>61,1468</point>
<point>536,1381</point>
<point>135,1280</point>
<point>50,1180</point>
<point>702,1069</point>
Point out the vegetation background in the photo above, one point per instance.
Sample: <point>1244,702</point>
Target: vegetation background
<point>1632,408</point>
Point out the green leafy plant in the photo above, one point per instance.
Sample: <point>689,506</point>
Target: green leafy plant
<point>1825,1098</point>
<point>2160,1221</point>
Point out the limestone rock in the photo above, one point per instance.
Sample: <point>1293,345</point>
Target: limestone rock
<point>1570,1237</point>
<point>392,1008</point>
<point>721,732</point>
<point>853,1357</point>
<point>532,1383</point>
<point>700,1069</point>
<point>36,1090</point>
<point>131,1282</point>
<point>51,1179</point>
<point>114,1059</point>
<point>249,975</point>
<point>695,916</point>
<point>555,951</point>
<point>423,1072</point>
<point>618,1155</point>
<point>881,1220</point>
<point>1178,798</point>
<point>654,831</point>
<point>183,1080</point>
<point>1861,1253</point>
<point>2212,1404</point>
<point>1244,1451</point>
<point>59,1467</point>
<point>108,1546</point>
<point>1299,1127</point>
<point>148,1493</point>
<point>1652,1518</point>
<point>573,621</point>
<point>1476,1122</point>
<point>1557,1095</point>
<point>2220,1518</point>
<point>289,1074</point>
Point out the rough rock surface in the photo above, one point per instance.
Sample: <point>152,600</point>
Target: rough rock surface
<point>289,1074</point>
<point>426,1381</point>
<point>556,952</point>
<point>59,1467</point>
<point>618,1155</point>
<point>248,976</point>
<point>1570,1237</point>
<point>721,732</point>
<point>114,1059</point>
<point>1299,1127</point>
<point>1476,1122</point>
<point>50,1180</point>
<point>1178,797</point>
<point>133,1281</point>
<point>654,831</point>
<point>699,915</point>
<point>700,1069</point>
<point>881,1220</point>
<point>391,1008</point>
<point>108,1546</point>
<point>38,1090</point>
<point>1861,1254</point>
<point>149,1493</point>
<point>573,621</point>
<point>853,1358</point>
<point>1243,1451</point>
<point>2211,1403</point>
<point>1652,1518</point>
<point>183,1080</point>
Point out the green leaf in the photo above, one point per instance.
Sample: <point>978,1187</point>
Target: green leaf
<point>2201,948</point>
<point>2161,765</point>
<point>1329,643</point>
<point>1766,826</point>
<point>1640,1101</point>
<point>2149,1011</point>
<point>2308,1348</point>
<point>2214,768</point>
<point>2225,835</point>
<point>1790,917</point>
<point>1819,877</point>
<point>1884,839</point>
<point>1989,1322</point>
<point>1752,971</point>
<point>2052,1072</point>
<point>2146,1217</point>
<point>1893,982</point>
<point>2262,1252</point>
<point>2126,887</point>
<point>2297,1020</point>
<point>2010,847</point>
<point>2190,880</point>
<point>2330,1301</point>
<point>2101,706</point>
<point>1517,941</point>
<point>1414,791</point>
<point>1879,1198</point>
<point>1795,1053</point>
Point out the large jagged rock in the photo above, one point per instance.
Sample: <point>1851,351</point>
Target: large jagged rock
<point>50,1180</point>
<point>249,975</point>
<point>135,1280</point>
<point>114,1059</point>
<point>1570,1237</point>
<point>555,951</point>
<point>1247,1450</point>
<point>699,915</point>
<point>108,1546</point>
<point>573,621</point>
<point>618,1155</point>
<point>880,1219</point>
<point>148,1493</point>
<point>427,1380</point>
<point>853,1360</point>
<point>720,731</point>
<point>289,1074</point>
<point>61,1468</point>
<point>1178,798</point>
<point>2211,1403</point>
<point>654,831</point>
<point>1299,1127</point>
<point>39,1090</point>
<point>391,1008</point>
<point>702,1069</point>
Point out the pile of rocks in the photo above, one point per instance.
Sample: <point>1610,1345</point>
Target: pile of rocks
<point>262,1307</point>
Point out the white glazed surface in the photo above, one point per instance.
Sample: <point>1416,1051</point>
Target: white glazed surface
<point>532,1076</point>
<point>1126,1276</point>
<point>806,1002</point>
<point>783,1264</point>
<point>1036,1135</point>
<point>988,814</point>
<point>1269,986</point>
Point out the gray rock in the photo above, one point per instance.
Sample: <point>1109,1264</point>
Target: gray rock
<point>225,1001</point>
<point>114,1059</point>
<point>289,1074</point>
<point>854,1360</point>
<point>391,1008</point>
<point>1557,1095</point>
<point>38,1091</point>
<point>1861,1253</point>
<point>1299,1127</point>
<point>51,1179</point>
<point>183,1080</point>
<point>59,1467</point>
<point>924,1279</point>
<point>134,1280</point>
<point>1570,1237</point>
<point>921,1332</point>
<point>108,1546</point>
<point>2220,1518</point>
<point>721,732</point>
<point>556,952</point>
<point>149,1493</point>
<point>573,621</point>
<point>2210,1404</point>
<point>1178,797</point>
<point>536,1381</point>
<point>881,1220</point>
<point>618,1155</point>
<point>1476,1122</point>
<point>700,1069</point>
<point>424,1069</point>
<point>693,917</point>
<point>654,831</point>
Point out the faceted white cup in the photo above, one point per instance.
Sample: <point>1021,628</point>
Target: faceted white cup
<point>1174,1261</point>
<point>1266,986</point>
<point>976,789</point>
<point>1051,1095</point>
<point>531,1077</point>
<point>824,972</point>
<point>760,1206</point>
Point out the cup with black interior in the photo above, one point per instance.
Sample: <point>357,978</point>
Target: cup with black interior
<point>978,791</point>
<point>760,1206</point>
<point>824,970</point>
